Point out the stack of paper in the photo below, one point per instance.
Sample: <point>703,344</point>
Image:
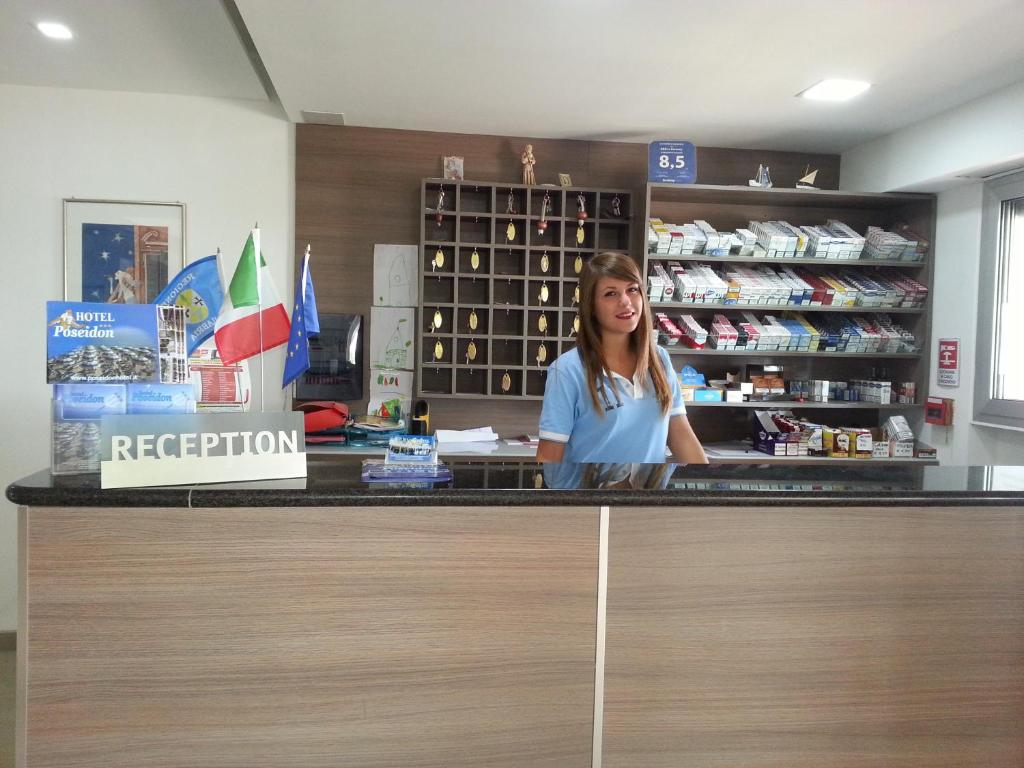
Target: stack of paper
<point>478,435</point>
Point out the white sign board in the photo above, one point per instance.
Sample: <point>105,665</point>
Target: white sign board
<point>143,450</point>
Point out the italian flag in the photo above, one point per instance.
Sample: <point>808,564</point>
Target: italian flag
<point>252,318</point>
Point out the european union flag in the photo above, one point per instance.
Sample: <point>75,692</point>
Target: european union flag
<point>304,321</point>
<point>309,313</point>
<point>198,289</point>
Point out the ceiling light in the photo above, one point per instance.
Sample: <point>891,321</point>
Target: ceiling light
<point>835,90</point>
<point>54,30</point>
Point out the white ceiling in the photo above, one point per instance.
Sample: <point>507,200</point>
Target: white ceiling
<point>155,46</point>
<point>717,73</point>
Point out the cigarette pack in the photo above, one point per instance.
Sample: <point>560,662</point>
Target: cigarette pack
<point>853,244</point>
<point>669,333</point>
<point>694,336</point>
<point>746,240</point>
<point>668,290</point>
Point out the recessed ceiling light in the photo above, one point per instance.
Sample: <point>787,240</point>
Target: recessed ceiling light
<point>835,90</point>
<point>54,30</point>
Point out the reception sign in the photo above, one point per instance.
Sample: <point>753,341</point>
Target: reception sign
<point>202,448</point>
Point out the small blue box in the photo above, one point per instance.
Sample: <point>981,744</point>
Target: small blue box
<point>707,395</point>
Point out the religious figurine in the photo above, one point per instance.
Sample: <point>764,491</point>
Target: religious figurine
<point>528,163</point>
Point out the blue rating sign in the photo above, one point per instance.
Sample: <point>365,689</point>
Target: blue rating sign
<point>672,162</point>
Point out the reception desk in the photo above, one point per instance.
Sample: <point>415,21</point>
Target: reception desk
<point>526,616</point>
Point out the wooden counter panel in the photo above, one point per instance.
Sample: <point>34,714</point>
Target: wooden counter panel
<point>795,638</point>
<point>311,637</point>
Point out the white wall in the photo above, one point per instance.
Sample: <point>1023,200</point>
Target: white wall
<point>928,157</point>
<point>230,162</point>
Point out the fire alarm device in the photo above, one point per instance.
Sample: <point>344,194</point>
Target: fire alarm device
<point>939,410</point>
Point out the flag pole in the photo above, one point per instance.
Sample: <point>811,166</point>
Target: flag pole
<point>259,306</point>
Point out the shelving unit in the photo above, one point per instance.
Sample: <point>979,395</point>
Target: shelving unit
<point>520,291</point>
<point>729,207</point>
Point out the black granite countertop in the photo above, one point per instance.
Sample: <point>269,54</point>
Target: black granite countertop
<point>335,481</point>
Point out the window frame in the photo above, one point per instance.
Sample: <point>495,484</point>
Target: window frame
<point>988,409</point>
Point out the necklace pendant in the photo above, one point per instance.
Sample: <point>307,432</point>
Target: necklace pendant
<point>545,263</point>
<point>578,264</point>
<point>510,231</point>
<point>471,350</point>
<point>472,320</point>
<point>542,322</point>
<point>474,260</point>
<point>438,320</point>
<point>506,382</point>
<point>439,258</point>
<point>438,350</point>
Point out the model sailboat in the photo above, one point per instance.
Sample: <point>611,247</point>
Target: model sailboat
<point>807,180</point>
<point>764,178</point>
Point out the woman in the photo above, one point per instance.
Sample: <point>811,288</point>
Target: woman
<point>615,398</point>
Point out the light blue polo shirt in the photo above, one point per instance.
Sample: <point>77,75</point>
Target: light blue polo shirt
<point>631,428</point>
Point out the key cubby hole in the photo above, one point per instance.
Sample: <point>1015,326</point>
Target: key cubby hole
<point>554,202</point>
<point>435,380</point>
<point>438,289</point>
<point>509,261</point>
<point>507,322</point>
<point>475,199</point>
<point>535,259</point>
<point>428,347</point>
<point>466,261</point>
<point>474,291</point>
<point>510,291</point>
<point>483,317</point>
<point>515,379</point>
<point>536,381</point>
<point>475,230</point>
<point>462,350</point>
<point>429,261</point>
<point>506,352</point>
<point>426,322</point>
<point>471,381</point>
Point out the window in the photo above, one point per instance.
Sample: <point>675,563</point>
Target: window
<point>999,386</point>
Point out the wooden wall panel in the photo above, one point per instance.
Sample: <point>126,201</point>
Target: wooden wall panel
<point>311,637</point>
<point>803,638</point>
<point>355,187</point>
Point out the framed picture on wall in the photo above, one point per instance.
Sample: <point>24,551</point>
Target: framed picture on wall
<point>121,251</point>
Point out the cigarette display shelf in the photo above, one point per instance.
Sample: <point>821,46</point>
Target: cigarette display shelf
<point>790,405</point>
<point>739,452</point>
<point>730,207</point>
<point>759,353</point>
<point>660,306</point>
<point>830,263</point>
<point>506,306</point>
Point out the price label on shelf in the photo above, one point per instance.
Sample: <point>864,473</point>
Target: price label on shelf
<point>672,162</point>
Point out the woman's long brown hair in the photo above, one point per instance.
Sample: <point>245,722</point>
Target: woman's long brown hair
<point>619,267</point>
